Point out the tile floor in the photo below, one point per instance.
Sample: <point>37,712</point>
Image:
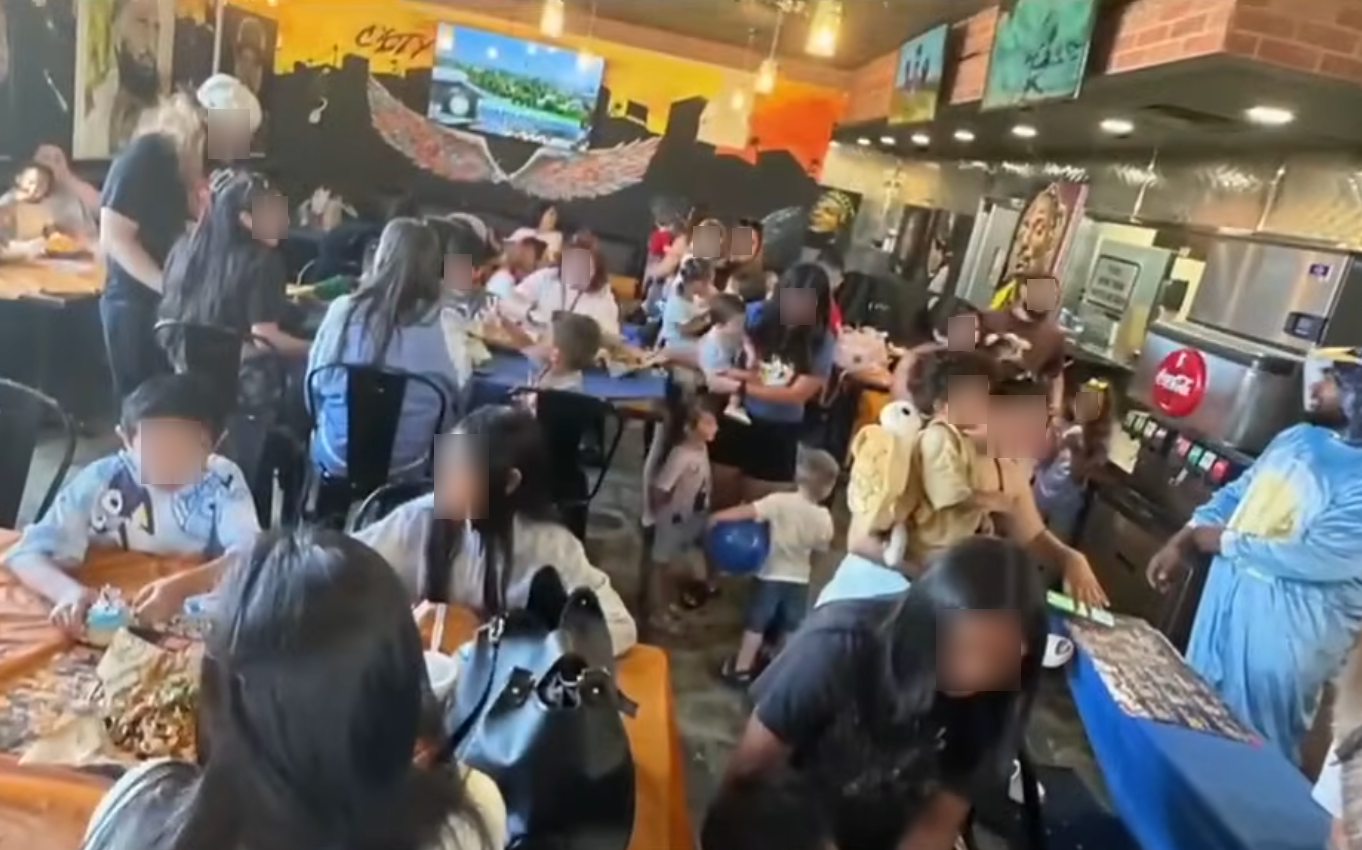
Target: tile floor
<point>710,714</point>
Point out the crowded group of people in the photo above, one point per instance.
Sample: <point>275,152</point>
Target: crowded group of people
<point>883,711</point>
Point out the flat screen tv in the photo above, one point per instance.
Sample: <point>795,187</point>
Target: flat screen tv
<point>1040,51</point>
<point>505,86</point>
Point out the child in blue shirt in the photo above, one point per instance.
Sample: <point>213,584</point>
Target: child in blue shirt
<point>163,493</point>
<point>683,313</point>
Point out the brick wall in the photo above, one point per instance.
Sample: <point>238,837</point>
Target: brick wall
<point>1156,32</point>
<point>1321,37</point>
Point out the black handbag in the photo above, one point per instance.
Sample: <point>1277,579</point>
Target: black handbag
<point>537,709</point>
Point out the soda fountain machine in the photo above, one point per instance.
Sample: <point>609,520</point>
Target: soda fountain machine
<point>1206,396</point>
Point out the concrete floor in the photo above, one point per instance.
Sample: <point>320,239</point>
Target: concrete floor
<point>710,714</point>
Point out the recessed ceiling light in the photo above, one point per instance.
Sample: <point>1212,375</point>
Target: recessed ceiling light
<point>1117,126</point>
<point>1270,116</point>
<point>1024,131</point>
<point>887,140</point>
<point>834,144</point>
<point>863,141</point>
<point>964,136</point>
<point>921,139</point>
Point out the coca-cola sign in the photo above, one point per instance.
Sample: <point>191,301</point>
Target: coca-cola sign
<point>1180,382</point>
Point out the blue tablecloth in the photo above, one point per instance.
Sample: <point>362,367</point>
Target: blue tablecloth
<point>1178,789</point>
<point>507,371</point>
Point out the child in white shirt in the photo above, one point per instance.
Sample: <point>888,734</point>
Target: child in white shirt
<point>799,527</point>
<point>683,312</point>
<point>723,347</point>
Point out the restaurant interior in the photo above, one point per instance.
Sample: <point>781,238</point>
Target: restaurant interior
<point>1187,170</point>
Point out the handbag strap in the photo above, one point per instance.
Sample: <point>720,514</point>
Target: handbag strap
<point>491,632</point>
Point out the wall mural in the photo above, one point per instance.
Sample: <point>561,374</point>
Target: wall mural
<point>124,60</point>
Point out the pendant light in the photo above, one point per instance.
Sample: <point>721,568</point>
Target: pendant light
<point>769,69</point>
<point>825,26</point>
<point>553,18</point>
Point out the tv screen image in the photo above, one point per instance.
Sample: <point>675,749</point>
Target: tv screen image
<point>505,86</point>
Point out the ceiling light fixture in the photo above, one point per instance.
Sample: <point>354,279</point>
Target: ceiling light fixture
<point>1117,126</point>
<point>963,136</point>
<point>922,140</point>
<point>553,18</point>
<point>825,27</point>
<point>769,70</point>
<point>863,142</point>
<point>1024,131</point>
<point>888,140</point>
<point>1270,116</point>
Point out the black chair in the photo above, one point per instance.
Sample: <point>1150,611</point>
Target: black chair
<point>23,412</point>
<point>374,398</point>
<point>568,420</point>
<point>385,500</point>
<point>251,392</point>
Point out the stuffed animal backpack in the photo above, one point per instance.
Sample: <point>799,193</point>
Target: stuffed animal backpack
<point>880,493</point>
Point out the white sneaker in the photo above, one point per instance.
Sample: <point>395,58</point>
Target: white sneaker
<point>737,414</point>
<point>1014,786</point>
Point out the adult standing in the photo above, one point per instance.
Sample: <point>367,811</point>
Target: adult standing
<point>1285,539</point>
<point>1029,317</point>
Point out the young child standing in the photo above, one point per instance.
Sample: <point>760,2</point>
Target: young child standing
<point>1079,447</point>
<point>678,501</point>
<point>163,493</point>
<point>799,526</point>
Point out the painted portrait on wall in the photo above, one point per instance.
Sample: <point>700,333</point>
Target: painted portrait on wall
<point>917,77</point>
<point>124,56</point>
<point>832,218</point>
<point>1040,52</point>
<point>248,54</point>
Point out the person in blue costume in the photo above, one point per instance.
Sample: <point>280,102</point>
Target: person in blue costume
<point>1283,601</point>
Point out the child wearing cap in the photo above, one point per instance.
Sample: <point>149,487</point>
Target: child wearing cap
<point>164,493</point>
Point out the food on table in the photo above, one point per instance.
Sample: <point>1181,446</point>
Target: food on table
<point>156,719</point>
<point>109,613</point>
<point>59,243</point>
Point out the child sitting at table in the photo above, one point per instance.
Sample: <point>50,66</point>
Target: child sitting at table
<point>799,526</point>
<point>683,311</point>
<point>678,505</point>
<point>573,342</point>
<point>163,493</point>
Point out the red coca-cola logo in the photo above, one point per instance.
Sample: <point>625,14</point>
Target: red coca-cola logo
<point>1180,382</point>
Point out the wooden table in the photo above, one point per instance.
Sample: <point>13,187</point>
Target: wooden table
<point>51,279</point>
<point>46,808</point>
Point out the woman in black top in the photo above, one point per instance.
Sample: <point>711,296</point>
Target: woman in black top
<point>902,710</point>
<point>144,209</point>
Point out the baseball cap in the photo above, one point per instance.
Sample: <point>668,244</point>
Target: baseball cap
<point>223,91</point>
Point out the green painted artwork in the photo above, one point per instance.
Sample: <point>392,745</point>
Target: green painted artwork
<point>1039,53</point>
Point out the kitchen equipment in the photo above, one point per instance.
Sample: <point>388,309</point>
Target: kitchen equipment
<point>1217,386</point>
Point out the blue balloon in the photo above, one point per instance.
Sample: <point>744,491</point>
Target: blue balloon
<point>739,547</point>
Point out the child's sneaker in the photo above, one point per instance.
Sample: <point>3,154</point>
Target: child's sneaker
<point>737,413</point>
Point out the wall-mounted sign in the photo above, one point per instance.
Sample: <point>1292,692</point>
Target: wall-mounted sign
<point>1111,283</point>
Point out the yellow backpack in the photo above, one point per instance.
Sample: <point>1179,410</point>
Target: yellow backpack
<point>878,492</point>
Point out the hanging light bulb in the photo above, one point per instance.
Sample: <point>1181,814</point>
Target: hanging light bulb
<point>825,26</point>
<point>553,18</point>
<point>767,72</point>
<point>737,100</point>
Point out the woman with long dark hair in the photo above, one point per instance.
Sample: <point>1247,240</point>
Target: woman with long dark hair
<point>227,271</point>
<point>311,709</point>
<point>902,710</point>
<point>392,322</point>
<point>491,524</point>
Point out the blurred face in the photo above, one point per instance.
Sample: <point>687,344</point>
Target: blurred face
<point>578,267</point>
<point>1325,406</point>
<point>797,307</point>
<point>967,402</point>
<point>743,244</point>
<point>962,332</point>
<point>1088,404</point>
<point>1040,297</point>
<point>32,185</point>
<point>706,426</point>
<point>170,453</point>
<point>459,274</point>
<point>460,479</point>
<point>979,651</point>
<point>228,136</point>
<point>1016,426</point>
<point>522,257</point>
<point>707,241</point>
<point>268,219</point>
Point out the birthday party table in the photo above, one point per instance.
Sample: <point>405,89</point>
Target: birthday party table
<point>40,672</point>
<point>1177,788</point>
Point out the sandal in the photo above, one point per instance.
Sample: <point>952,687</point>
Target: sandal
<point>731,675</point>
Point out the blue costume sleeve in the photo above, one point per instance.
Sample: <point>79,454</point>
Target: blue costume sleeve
<point>1220,507</point>
<point>62,536</point>
<point>1326,549</point>
<point>238,524</point>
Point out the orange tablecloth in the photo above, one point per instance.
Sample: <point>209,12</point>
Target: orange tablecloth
<point>57,279</point>
<point>43,809</point>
